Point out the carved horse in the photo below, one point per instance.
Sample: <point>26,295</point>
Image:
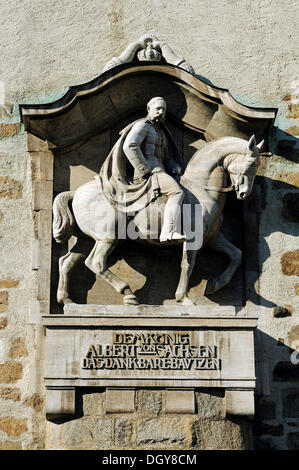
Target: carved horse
<point>204,182</point>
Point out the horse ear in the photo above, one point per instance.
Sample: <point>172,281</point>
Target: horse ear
<point>260,145</point>
<point>252,142</point>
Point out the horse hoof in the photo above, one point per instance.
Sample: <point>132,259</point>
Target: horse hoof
<point>187,301</point>
<point>130,299</point>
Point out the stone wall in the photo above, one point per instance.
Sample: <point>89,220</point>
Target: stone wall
<point>249,47</point>
<point>149,426</point>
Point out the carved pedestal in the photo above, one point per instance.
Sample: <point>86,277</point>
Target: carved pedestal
<point>124,347</point>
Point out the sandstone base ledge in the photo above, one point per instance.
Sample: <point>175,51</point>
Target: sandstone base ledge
<point>122,348</point>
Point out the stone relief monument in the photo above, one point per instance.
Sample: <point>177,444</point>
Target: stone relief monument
<point>203,185</point>
<point>124,183</point>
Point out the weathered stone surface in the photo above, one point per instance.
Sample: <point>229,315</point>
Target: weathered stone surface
<point>265,407</point>
<point>149,402</point>
<point>296,287</point>
<point>9,283</point>
<point>293,441</point>
<point>179,401</point>
<point>3,301</point>
<point>10,445</point>
<point>90,433</point>
<point>122,432</point>
<point>210,403</point>
<point>35,401</point>
<point>161,431</point>
<point>293,111</point>
<point>290,263</point>
<point>293,130</point>
<point>10,372</point>
<point>18,348</point>
<point>12,426</point>
<point>10,188</point>
<point>291,178</point>
<point>94,403</point>
<point>291,207</point>
<point>291,403</point>
<point>120,401</point>
<point>9,129</point>
<point>3,323</point>
<point>221,435</point>
<point>10,394</point>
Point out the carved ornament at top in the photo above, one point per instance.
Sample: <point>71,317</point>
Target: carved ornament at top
<point>149,48</point>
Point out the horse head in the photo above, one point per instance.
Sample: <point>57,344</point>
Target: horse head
<point>242,168</point>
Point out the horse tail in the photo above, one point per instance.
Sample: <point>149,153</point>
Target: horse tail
<point>63,220</point>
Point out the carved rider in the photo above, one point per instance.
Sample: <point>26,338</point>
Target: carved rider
<point>146,148</point>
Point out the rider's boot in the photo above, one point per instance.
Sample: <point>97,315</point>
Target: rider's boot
<point>170,228</point>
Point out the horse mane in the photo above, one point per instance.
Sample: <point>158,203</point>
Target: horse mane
<point>211,145</point>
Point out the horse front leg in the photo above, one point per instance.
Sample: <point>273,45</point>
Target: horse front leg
<point>222,245</point>
<point>187,265</point>
<point>97,262</point>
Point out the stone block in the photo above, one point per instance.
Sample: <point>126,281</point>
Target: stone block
<point>94,403</point>
<point>13,427</point>
<point>10,372</point>
<point>86,434</point>
<point>10,188</point>
<point>179,401</point>
<point>222,434</point>
<point>13,394</point>
<point>3,301</point>
<point>3,323</point>
<point>296,287</point>
<point>35,401</point>
<point>290,403</point>
<point>290,263</point>
<point>149,401</point>
<point>210,403</point>
<point>7,130</point>
<point>120,400</point>
<point>10,445</point>
<point>17,348</point>
<point>8,283</point>
<point>122,432</point>
<point>162,431</point>
<point>60,402</point>
<point>239,403</point>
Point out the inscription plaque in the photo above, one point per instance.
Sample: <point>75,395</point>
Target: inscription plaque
<point>109,346</point>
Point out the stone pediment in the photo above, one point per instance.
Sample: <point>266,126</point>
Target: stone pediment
<point>123,91</point>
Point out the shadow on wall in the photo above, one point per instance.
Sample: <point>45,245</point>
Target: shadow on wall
<point>276,422</point>
<point>272,207</point>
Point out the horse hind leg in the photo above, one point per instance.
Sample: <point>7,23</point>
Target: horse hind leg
<point>67,264</point>
<point>97,262</point>
<point>222,245</point>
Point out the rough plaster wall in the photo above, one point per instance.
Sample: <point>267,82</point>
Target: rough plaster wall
<point>248,46</point>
